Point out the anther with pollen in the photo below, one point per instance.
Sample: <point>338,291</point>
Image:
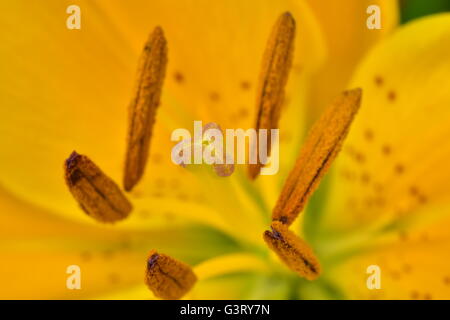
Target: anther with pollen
<point>97,194</point>
<point>277,62</point>
<point>167,277</point>
<point>322,145</point>
<point>142,110</point>
<point>293,251</point>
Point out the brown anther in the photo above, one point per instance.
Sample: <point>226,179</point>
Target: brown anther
<point>293,251</point>
<point>142,110</point>
<point>97,194</point>
<point>320,149</point>
<point>167,277</point>
<point>276,65</point>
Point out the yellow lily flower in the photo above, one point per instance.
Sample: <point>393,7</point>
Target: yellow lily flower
<point>67,89</point>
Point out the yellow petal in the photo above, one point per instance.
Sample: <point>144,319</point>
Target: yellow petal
<point>39,253</point>
<point>413,265</point>
<point>347,39</point>
<point>38,247</point>
<point>232,263</point>
<point>70,89</point>
<point>394,162</point>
